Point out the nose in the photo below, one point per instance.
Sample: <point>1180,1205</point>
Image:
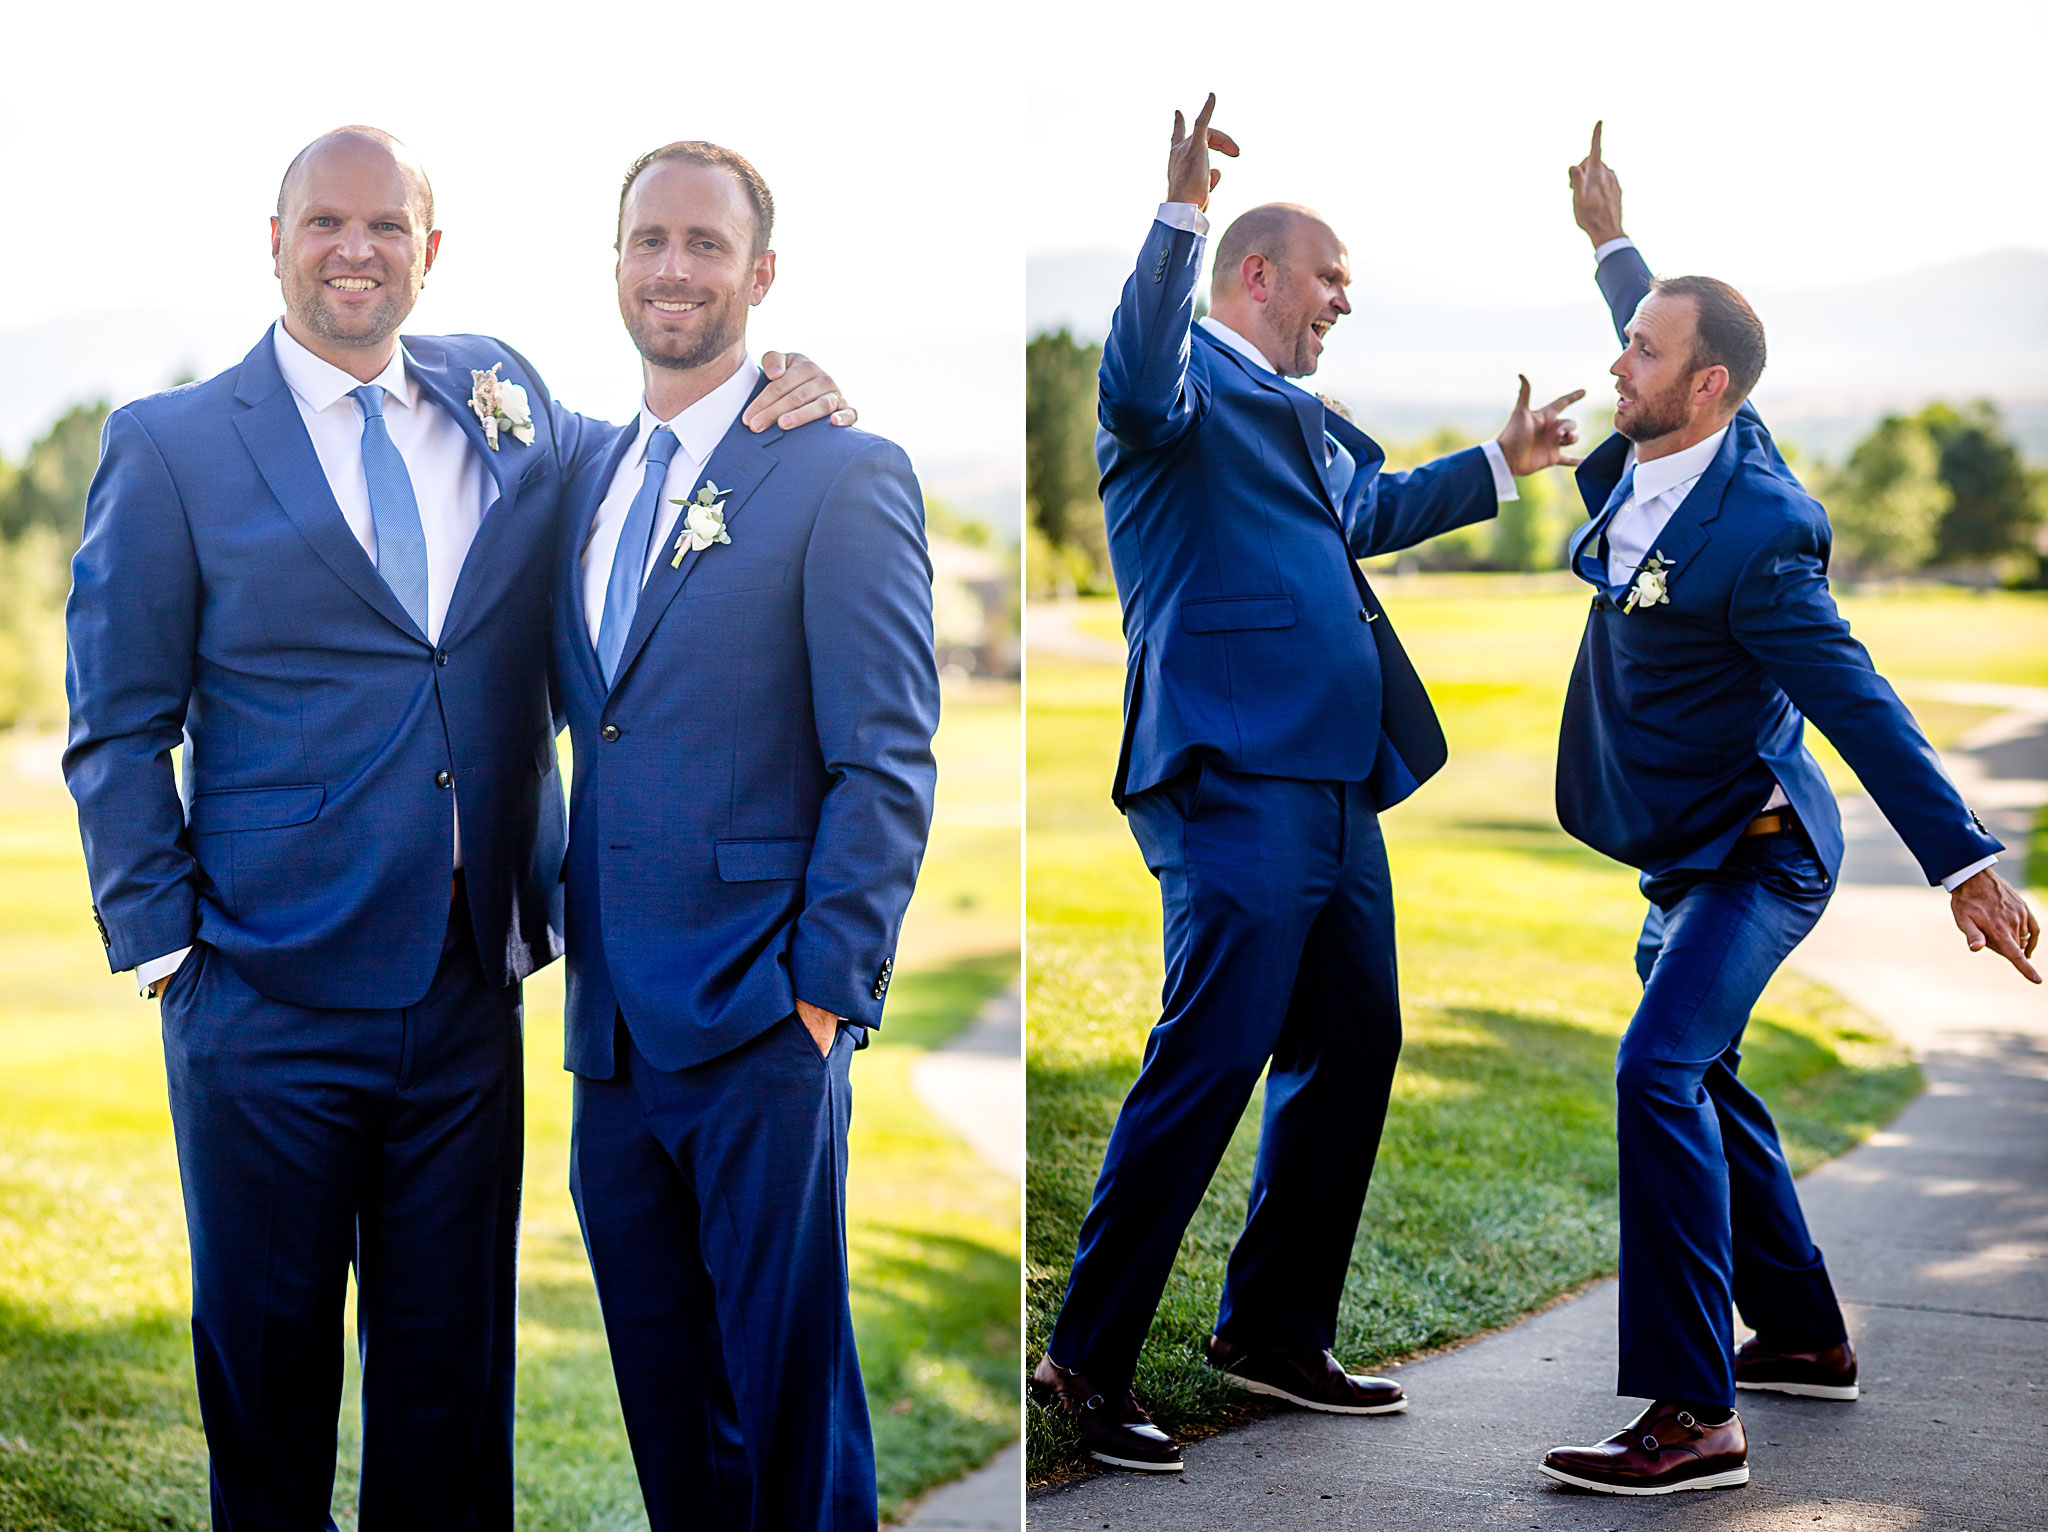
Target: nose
<point>1620,369</point>
<point>675,264</point>
<point>1342,302</point>
<point>354,244</point>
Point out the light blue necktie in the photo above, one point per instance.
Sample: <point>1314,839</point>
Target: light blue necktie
<point>394,509</point>
<point>1592,561</point>
<point>1339,467</point>
<point>629,560</point>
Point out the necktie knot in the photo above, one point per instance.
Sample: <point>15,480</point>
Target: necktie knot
<point>661,446</point>
<point>371,397</point>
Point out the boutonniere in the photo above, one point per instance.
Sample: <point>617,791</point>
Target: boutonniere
<point>1651,582</point>
<point>500,406</point>
<point>703,522</point>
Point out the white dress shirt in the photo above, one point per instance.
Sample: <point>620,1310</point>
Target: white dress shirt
<point>1660,488</point>
<point>449,480</point>
<point>698,429</point>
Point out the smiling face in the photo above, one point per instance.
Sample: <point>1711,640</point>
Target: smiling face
<point>688,271</point>
<point>1305,296</point>
<point>1659,392</point>
<point>351,244</point>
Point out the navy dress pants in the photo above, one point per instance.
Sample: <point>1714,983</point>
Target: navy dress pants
<point>307,1140</point>
<point>1279,950</point>
<point>713,1204</point>
<point>1710,1221</point>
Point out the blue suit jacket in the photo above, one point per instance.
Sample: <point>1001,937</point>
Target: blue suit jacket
<point>1681,716</point>
<point>220,597</point>
<point>753,793</point>
<point>1253,636</point>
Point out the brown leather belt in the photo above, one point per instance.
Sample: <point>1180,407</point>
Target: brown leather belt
<point>1777,822</point>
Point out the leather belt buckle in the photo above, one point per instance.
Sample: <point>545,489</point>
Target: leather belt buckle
<point>1777,822</point>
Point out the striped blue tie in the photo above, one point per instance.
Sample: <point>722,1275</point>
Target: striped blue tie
<point>629,561</point>
<point>394,509</point>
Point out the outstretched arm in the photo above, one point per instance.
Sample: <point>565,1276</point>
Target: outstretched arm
<point>1146,400</point>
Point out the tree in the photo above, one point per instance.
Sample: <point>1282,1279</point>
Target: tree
<point>1060,475</point>
<point>1887,502</point>
<point>1994,505</point>
<point>49,489</point>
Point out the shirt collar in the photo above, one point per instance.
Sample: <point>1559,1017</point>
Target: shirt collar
<point>701,426</point>
<point>321,384</point>
<point>1668,473</point>
<point>1238,343</point>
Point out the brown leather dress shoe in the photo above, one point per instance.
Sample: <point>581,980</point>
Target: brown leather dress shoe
<point>1313,1379</point>
<point>1661,1450</point>
<point>1114,1427</point>
<point>1829,1374</point>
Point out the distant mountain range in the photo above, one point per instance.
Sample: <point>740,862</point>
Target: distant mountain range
<point>1841,356</point>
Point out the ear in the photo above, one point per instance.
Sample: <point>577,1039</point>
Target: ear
<point>276,247</point>
<point>1255,275</point>
<point>1710,388</point>
<point>764,277</point>
<point>433,249</point>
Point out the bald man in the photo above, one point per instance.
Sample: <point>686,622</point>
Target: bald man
<point>327,572</point>
<point>1269,717</point>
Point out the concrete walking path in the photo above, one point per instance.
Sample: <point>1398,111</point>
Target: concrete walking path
<point>974,1084</point>
<point>1936,1231</point>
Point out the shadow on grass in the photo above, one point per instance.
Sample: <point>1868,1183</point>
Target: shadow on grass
<point>99,1425</point>
<point>939,1355</point>
<point>1493,1194</point>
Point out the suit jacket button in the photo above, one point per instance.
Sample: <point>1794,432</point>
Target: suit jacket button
<point>440,656</point>
<point>608,733</point>
<point>444,779</point>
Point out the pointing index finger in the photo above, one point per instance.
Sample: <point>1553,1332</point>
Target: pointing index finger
<point>1596,139</point>
<point>1562,400</point>
<point>1208,110</point>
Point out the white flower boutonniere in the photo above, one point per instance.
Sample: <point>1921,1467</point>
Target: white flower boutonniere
<point>703,522</point>
<point>1651,582</point>
<point>501,406</point>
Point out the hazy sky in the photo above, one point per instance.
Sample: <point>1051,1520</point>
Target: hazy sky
<point>1786,143</point>
<point>141,147</point>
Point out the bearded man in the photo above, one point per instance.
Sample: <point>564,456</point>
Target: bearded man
<point>1712,639</point>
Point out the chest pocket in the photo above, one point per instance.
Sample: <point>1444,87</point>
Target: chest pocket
<point>733,573</point>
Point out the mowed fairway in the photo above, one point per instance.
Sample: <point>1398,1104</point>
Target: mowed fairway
<point>99,1427</point>
<point>1495,1187</point>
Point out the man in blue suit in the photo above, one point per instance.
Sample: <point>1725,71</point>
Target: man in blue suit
<point>743,636</point>
<point>329,573</point>
<point>1712,638</point>
<point>1270,716</point>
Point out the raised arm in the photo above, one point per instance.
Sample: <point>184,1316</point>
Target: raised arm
<point>131,627</point>
<point>1146,400</point>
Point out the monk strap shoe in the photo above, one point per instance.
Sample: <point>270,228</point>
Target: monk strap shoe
<point>1113,1425</point>
<point>1662,1450</point>
<point>1304,1375</point>
<point>1829,1374</point>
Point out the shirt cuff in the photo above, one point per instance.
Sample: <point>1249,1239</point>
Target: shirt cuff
<point>1601,252</point>
<point>1503,482</point>
<point>163,967</point>
<point>1184,216</point>
<point>1956,879</point>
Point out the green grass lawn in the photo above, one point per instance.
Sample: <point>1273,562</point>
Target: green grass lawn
<point>1495,1186</point>
<point>99,1427</point>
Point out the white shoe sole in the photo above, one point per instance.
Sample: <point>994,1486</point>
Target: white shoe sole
<point>1253,1386</point>
<point>1115,1462</point>
<point>1724,1480</point>
<point>1805,1390</point>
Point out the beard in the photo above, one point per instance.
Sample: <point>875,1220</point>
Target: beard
<point>1295,332</point>
<point>724,324</point>
<point>1655,415</point>
<point>305,301</point>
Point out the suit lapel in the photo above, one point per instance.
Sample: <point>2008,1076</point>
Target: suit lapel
<point>577,520</point>
<point>276,438</point>
<point>1308,416</point>
<point>1596,478</point>
<point>738,466</point>
<point>1686,533</point>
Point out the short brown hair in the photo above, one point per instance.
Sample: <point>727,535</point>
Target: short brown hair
<point>697,152</point>
<point>1727,332</point>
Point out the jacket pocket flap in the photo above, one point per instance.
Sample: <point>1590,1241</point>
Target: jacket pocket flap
<point>1226,614</point>
<point>757,861</point>
<point>255,808</point>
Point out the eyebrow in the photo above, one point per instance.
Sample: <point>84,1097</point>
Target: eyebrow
<point>320,210</point>
<point>692,232</point>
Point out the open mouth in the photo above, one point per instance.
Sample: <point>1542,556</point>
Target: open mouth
<point>352,284</point>
<point>1322,327</point>
<point>662,306</point>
